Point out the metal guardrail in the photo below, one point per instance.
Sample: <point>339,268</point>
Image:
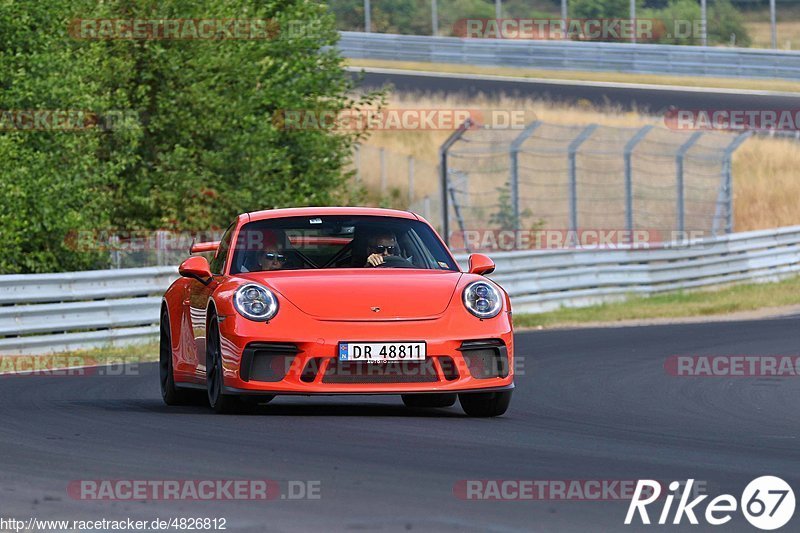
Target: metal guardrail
<point>42,313</point>
<point>539,281</point>
<point>58,312</point>
<point>575,55</point>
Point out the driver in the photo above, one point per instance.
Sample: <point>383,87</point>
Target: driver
<point>379,246</point>
<point>272,256</point>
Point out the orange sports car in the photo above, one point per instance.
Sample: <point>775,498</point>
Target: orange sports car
<point>336,301</point>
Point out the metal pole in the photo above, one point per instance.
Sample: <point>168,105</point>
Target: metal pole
<point>773,24</point>
<point>514,179</point>
<point>563,19</point>
<point>633,20</point>
<point>680,192</point>
<point>367,16</point>
<point>410,180</point>
<point>725,196</point>
<point>629,174</point>
<point>573,174</point>
<point>358,163</point>
<point>498,8</point>
<point>382,153</point>
<point>443,182</point>
<point>703,23</point>
<point>434,18</point>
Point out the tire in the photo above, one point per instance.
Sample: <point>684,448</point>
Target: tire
<point>485,404</point>
<point>429,400</point>
<point>169,392</point>
<point>220,403</point>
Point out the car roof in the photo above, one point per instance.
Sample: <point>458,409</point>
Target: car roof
<point>327,211</point>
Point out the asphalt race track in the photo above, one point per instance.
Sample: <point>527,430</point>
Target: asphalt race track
<point>644,98</point>
<point>592,404</point>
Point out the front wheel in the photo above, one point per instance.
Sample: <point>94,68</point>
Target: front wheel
<point>429,400</point>
<point>219,402</point>
<point>485,404</point>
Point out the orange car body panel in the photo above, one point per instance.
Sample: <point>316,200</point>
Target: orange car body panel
<point>319,308</point>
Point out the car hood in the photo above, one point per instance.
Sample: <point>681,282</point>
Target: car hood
<point>364,294</point>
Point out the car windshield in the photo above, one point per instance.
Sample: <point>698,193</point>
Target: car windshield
<point>316,242</point>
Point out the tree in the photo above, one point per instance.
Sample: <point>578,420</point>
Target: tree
<point>203,145</point>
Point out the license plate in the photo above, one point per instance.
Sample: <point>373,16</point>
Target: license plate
<point>382,351</point>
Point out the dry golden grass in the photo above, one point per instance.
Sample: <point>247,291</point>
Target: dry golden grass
<point>788,19</point>
<point>765,185</point>
<point>788,35</point>
<point>766,189</point>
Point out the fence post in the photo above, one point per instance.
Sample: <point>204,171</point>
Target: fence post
<point>514,178</point>
<point>443,149</point>
<point>358,163</point>
<point>631,144</point>
<point>725,195</point>
<point>573,174</point>
<point>382,155</point>
<point>410,179</point>
<point>679,157</point>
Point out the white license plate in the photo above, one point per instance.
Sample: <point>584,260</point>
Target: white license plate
<point>382,351</point>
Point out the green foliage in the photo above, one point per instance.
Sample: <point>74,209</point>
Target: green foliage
<point>203,143</point>
<point>681,20</point>
<point>504,217</point>
<point>724,20</point>
<point>597,9</point>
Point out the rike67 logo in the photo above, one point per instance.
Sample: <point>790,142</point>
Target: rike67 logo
<point>767,503</point>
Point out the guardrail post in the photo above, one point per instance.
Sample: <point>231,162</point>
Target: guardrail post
<point>680,193</point>
<point>443,184</point>
<point>573,174</point>
<point>725,195</point>
<point>514,181</point>
<point>631,144</point>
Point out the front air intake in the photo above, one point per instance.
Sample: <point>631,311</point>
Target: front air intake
<point>485,358</point>
<point>266,361</point>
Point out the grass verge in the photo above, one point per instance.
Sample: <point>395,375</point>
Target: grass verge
<point>730,299</point>
<point>112,355</point>
<point>578,75</point>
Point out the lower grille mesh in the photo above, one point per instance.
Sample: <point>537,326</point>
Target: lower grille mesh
<point>389,372</point>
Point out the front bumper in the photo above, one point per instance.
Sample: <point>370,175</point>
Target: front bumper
<point>302,363</point>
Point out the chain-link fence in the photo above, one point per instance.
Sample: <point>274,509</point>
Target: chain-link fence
<point>398,180</point>
<point>587,178</point>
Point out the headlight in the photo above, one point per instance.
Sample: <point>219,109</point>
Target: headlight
<point>255,302</point>
<point>482,299</point>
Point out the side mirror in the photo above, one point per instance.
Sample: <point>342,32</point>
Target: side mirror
<point>480,264</point>
<point>196,267</point>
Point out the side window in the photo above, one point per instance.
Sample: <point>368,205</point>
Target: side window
<point>218,263</point>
